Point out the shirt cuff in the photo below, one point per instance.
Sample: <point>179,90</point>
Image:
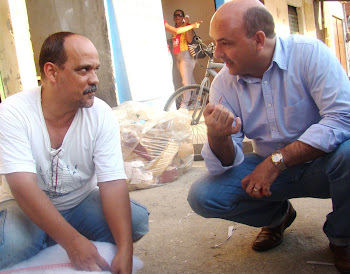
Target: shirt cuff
<point>323,138</point>
<point>213,163</point>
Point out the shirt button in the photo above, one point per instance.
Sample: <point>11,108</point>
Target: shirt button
<point>265,82</point>
<point>269,105</point>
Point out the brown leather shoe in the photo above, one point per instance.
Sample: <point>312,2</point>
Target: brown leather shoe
<point>341,257</point>
<point>271,237</point>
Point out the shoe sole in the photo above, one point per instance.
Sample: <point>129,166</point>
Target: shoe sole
<point>288,223</point>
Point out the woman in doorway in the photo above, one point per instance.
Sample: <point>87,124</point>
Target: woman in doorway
<point>180,30</point>
<point>184,61</point>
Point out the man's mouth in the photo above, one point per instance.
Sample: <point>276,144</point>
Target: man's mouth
<point>93,88</point>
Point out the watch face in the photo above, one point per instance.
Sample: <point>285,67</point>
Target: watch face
<point>276,157</point>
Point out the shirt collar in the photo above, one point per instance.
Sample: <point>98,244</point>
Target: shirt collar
<point>280,54</point>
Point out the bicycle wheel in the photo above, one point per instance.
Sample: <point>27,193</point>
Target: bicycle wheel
<point>198,127</point>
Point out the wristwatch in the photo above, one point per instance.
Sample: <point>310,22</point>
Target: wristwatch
<point>277,159</point>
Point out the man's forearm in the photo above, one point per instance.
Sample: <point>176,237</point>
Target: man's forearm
<point>298,152</point>
<point>40,209</point>
<point>116,207</point>
<point>223,149</point>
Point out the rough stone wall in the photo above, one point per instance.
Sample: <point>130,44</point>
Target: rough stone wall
<point>8,57</point>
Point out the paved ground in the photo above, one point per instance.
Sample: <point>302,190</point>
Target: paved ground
<point>180,241</point>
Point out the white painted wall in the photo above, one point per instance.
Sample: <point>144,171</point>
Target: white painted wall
<point>143,41</point>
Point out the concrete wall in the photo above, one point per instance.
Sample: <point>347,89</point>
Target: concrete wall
<point>197,10</point>
<point>332,9</point>
<point>306,19</point>
<point>84,17</point>
<point>88,18</point>
<point>8,62</point>
<point>16,54</point>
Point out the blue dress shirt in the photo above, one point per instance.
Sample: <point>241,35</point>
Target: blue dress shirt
<point>304,95</point>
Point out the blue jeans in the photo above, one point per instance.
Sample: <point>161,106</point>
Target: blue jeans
<point>222,196</point>
<point>21,239</point>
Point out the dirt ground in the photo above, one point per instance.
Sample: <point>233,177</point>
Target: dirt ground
<point>180,241</point>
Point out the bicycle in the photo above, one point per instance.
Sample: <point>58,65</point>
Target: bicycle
<point>198,127</point>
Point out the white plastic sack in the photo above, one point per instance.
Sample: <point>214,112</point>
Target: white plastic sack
<point>157,145</point>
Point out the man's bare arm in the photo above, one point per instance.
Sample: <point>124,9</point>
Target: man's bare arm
<point>116,207</point>
<point>40,210</point>
<point>263,176</point>
<point>298,152</point>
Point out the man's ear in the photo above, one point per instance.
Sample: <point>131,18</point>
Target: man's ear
<point>50,71</point>
<point>260,40</point>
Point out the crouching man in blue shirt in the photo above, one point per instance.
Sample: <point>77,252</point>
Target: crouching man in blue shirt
<point>291,97</point>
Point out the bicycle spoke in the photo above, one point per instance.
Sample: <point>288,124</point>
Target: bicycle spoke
<point>199,132</point>
<point>198,127</point>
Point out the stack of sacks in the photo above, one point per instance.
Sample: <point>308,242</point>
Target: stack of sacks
<point>157,146</point>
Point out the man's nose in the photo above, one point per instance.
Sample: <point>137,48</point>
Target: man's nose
<point>217,52</point>
<point>93,79</point>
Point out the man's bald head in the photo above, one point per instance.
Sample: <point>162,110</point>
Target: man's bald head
<point>251,15</point>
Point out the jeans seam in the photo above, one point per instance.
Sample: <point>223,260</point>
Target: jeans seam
<point>2,226</point>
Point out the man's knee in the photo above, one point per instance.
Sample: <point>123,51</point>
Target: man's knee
<point>340,158</point>
<point>139,215</point>
<point>199,199</point>
<point>343,151</point>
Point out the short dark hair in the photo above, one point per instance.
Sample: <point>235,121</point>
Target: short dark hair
<point>183,14</point>
<point>258,18</point>
<point>53,50</point>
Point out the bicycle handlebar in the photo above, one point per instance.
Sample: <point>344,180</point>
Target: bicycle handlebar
<point>198,40</point>
<point>206,49</point>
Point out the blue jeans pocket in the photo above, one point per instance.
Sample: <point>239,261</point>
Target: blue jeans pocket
<point>2,225</point>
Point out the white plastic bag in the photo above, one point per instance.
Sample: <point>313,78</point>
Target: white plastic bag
<point>157,145</point>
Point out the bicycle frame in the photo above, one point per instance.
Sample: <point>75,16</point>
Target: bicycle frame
<point>210,70</point>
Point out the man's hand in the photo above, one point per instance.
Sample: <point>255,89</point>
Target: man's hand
<point>122,263</point>
<point>219,121</point>
<point>257,184</point>
<point>84,255</point>
<point>219,130</point>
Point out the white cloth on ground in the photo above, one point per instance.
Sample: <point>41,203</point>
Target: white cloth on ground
<point>50,259</point>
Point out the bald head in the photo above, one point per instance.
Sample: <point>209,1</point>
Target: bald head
<point>241,5</point>
<point>250,15</point>
<point>244,34</point>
